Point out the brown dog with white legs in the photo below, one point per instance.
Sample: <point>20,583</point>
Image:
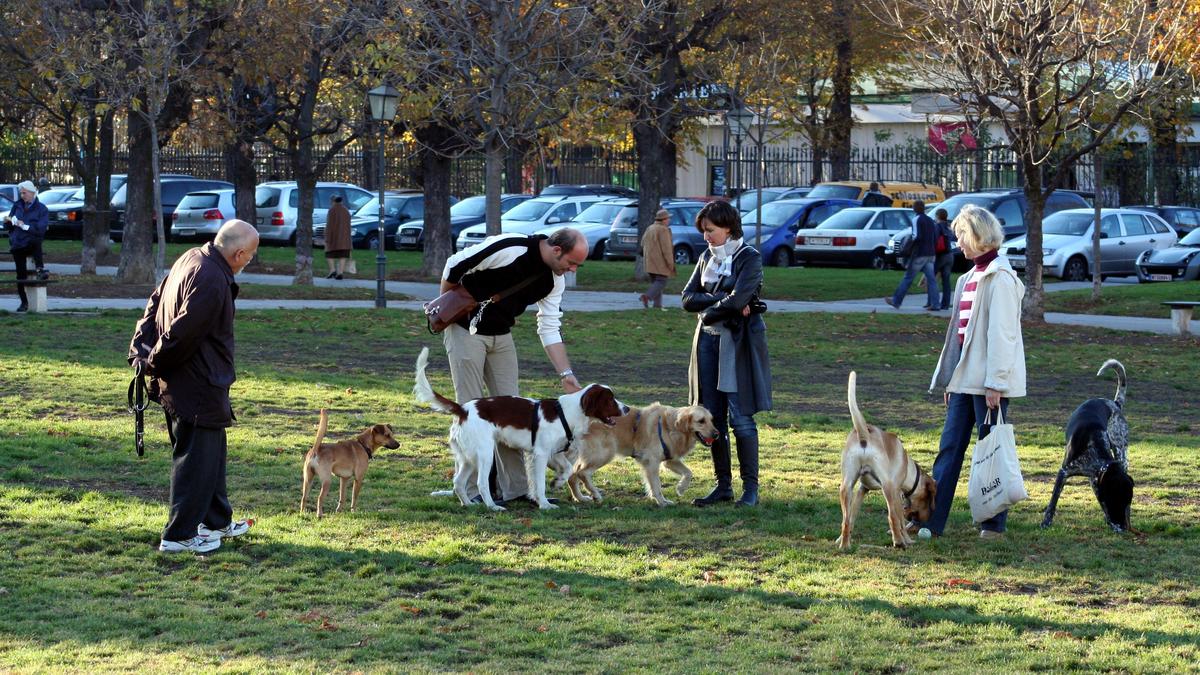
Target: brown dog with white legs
<point>875,459</point>
<point>345,459</point>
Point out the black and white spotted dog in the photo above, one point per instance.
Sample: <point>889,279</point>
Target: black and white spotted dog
<point>1097,445</point>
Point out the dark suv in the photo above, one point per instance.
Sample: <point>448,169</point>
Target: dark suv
<point>1009,206</point>
<point>1183,218</point>
<point>686,240</point>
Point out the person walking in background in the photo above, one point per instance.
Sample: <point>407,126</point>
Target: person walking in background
<point>921,258</point>
<point>27,222</point>
<point>184,342</point>
<point>337,238</point>
<point>982,364</point>
<point>875,198</point>
<point>658,254</point>
<point>943,263</point>
<point>729,372</point>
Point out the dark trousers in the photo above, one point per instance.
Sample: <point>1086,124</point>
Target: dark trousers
<point>943,265</point>
<point>965,414</point>
<point>197,480</point>
<point>654,293</point>
<point>20,259</point>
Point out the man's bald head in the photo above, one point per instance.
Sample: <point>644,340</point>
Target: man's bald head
<point>237,241</point>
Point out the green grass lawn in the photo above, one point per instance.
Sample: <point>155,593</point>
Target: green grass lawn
<point>1140,300</point>
<point>792,283</point>
<point>416,583</point>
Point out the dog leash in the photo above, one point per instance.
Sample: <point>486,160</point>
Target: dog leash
<point>666,451</point>
<point>136,398</point>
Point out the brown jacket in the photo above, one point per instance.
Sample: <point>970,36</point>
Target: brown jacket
<point>337,228</point>
<point>657,250</point>
<point>186,336</point>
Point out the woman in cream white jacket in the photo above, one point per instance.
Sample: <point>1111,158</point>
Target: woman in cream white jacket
<point>982,364</point>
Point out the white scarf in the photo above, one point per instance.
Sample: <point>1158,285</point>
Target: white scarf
<point>721,262</point>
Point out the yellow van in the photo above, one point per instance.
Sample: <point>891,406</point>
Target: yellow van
<point>902,194</point>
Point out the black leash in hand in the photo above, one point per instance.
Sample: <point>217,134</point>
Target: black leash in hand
<point>137,405</point>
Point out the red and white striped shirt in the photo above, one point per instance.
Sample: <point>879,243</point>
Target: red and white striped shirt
<point>968,294</point>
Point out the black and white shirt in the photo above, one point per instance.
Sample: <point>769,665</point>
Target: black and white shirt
<point>497,264</point>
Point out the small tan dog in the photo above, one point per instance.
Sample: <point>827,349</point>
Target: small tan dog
<point>654,436</point>
<point>876,460</point>
<point>345,459</point>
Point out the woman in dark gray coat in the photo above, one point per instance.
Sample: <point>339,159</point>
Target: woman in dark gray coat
<point>729,372</point>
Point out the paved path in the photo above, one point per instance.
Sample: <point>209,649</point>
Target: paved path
<point>580,301</point>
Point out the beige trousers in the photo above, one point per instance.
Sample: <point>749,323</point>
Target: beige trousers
<point>477,361</point>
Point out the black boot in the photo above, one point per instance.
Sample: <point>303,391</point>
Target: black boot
<point>747,452</point>
<point>723,492</point>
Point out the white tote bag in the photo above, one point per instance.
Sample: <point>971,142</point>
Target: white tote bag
<point>996,482</point>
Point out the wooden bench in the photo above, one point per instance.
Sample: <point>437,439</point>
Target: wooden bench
<point>1181,315</point>
<point>36,290</point>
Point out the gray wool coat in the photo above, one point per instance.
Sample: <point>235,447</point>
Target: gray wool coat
<point>723,301</point>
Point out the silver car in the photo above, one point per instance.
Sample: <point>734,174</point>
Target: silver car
<point>856,237</point>
<point>277,203</point>
<point>201,214</point>
<point>1067,242</point>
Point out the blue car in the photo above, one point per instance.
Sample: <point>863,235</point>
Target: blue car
<point>780,221</point>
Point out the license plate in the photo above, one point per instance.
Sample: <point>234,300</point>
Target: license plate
<point>187,233</point>
<point>408,240</point>
<point>1017,263</point>
<point>1160,277</point>
<point>627,239</point>
<point>319,241</point>
<point>259,221</point>
<point>818,241</point>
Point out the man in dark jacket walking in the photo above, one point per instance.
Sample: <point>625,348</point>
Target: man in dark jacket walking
<point>184,341</point>
<point>27,222</point>
<point>922,259</point>
<point>875,198</point>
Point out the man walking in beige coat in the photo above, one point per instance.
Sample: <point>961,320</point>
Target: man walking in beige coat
<point>658,253</point>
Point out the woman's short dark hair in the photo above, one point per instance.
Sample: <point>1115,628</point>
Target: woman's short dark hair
<point>723,215</point>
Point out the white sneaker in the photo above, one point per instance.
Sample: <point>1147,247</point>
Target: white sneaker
<point>990,534</point>
<point>235,529</point>
<point>196,544</point>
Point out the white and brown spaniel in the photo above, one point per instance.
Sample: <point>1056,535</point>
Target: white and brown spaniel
<point>539,429</point>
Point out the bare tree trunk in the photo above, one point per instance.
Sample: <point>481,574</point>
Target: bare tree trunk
<point>514,165</point>
<point>651,147</point>
<point>493,168</point>
<point>306,184</point>
<point>841,119</point>
<point>160,227</point>
<point>1034,306</point>
<point>439,245</point>
<point>137,263</point>
<point>1097,202</point>
<point>94,229</point>
<point>239,167</point>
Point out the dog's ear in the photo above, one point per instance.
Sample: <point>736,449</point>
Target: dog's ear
<point>683,420</point>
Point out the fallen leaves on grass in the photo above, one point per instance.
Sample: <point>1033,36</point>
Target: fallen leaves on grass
<point>709,576</point>
<point>411,610</point>
<point>313,616</point>
<point>350,391</point>
<point>261,614</point>
<point>962,583</point>
<point>543,628</point>
<point>56,432</point>
<point>551,585</point>
<point>565,589</point>
<point>527,522</point>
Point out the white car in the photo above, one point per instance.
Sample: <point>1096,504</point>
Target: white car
<point>530,216</point>
<point>1067,242</point>
<point>856,237</point>
<point>595,223</point>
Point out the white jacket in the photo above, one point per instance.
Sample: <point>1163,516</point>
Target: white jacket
<point>993,354</point>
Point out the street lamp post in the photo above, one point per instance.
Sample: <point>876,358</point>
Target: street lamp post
<point>738,119</point>
<point>382,100</point>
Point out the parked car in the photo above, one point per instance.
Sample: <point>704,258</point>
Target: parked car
<point>782,219</point>
<point>602,189</point>
<point>58,194</point>
<point>1010,206</point>
<point>276,205</point>
<point>201,214</point>
<point>855,236</point>
<point>66,217</point>
<point>1067,242</point>
<point>9,191</point>
<point>1183,218</point>
<point>595,223</point>
<point>748,200</point>
<point>468,212</point>
<point>531,216</point>
<point>400,207</point>
<point>902,193</point>
<point>1180,262</point>
<point>6,205</point>
<point>173,191</point>
<point>686,241</point>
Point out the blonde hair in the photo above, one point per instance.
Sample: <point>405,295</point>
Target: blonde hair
<point>976,228</point>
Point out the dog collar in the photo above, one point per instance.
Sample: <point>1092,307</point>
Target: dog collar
<point>362,445</point>
<point>666,451</point>
<point>916,481</point>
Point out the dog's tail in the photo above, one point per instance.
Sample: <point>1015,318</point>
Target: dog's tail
<point>321,430</point>
<point>1119,397</point>
<point>424,392</point>
<point>860,424</point>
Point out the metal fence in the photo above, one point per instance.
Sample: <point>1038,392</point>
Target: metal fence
<point>1129,175</point>
<point>402,166</point>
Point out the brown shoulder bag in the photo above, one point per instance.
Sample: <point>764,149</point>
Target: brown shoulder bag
<point>457,303</point>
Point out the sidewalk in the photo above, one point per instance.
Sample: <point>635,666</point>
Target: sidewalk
<point>573,301</point>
